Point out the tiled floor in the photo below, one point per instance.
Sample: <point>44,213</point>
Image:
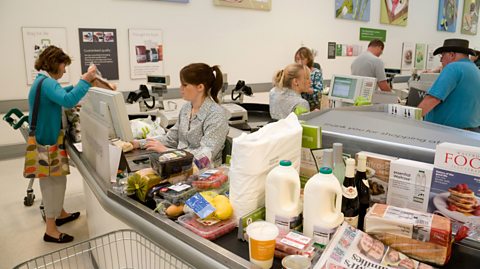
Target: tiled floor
<point>22,228</point>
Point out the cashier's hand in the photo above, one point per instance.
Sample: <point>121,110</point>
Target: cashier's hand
<point>155,145</point>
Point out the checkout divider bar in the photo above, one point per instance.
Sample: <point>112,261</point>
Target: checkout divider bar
<point>197,251</point>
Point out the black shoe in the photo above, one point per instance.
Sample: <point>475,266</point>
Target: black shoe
<point>72,217</point>
<point>64,238</point>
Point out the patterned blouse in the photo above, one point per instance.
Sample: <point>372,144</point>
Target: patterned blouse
<point>285,101</point>
<point>203,135</point>
<point>317,84</point>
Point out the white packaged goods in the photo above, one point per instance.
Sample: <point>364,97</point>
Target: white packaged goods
<point>352,248</point>
<point>455,188</point>
<point>254,155</point>
<point>422,236</point>
<point>405,111</point>
<point>409,184</point>
<point>378,173</point>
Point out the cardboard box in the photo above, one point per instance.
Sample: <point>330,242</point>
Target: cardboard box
<point>409,184</point>
<point>454,165</point>
<point>407,112</point>
<point>378,173</point>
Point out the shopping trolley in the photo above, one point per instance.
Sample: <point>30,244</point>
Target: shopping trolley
<point>122,249</point>
<point>19,121</point>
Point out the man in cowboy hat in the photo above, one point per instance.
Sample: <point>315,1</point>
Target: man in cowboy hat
<point>454,98</point>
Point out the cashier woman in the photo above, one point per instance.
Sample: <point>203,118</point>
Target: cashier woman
<point>202,125</point>
<point>289,84</point>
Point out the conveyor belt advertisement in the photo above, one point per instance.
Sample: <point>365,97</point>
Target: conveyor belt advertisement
<point>99,46</point>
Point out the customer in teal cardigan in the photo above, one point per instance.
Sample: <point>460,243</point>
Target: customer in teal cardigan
<point>51,65</point>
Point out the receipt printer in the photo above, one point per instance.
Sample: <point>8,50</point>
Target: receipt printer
<point>237,114</point>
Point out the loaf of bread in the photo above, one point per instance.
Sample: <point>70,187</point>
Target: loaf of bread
<point>422,236</point>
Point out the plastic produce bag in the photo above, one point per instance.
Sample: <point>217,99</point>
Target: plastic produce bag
<point>146,128</point>
<point>254,155</point>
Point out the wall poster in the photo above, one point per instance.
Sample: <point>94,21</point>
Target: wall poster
<point>146,52</point>
<point>447,15</point>
<point>99,46</point>
<point>470,17</point>
<point>35,40</point>
<point>352,10</point>
<point>420,56</point>
<point>433,62</point>
<point>394,12</point>
<point>253,4</point>
<point>408,51</point>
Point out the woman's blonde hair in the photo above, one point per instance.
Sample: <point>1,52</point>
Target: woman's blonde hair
<point>284,78</point>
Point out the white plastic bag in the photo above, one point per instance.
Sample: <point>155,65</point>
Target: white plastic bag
<point>254,155</point>
<point>146,128</point>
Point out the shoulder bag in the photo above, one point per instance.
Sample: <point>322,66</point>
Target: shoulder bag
<point>44,160</point>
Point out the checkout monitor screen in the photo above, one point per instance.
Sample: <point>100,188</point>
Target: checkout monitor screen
<point>343,87</point>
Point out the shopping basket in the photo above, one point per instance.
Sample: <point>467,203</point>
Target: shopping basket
<point>122,249</point>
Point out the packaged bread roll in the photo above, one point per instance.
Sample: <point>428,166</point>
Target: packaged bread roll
<point>422,236</point>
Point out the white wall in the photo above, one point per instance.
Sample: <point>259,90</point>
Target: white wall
<point>248,44</point>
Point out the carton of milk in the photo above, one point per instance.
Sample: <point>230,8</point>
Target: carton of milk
<point>378,174</point>
<point>409,184</point>
<point>455,188</point>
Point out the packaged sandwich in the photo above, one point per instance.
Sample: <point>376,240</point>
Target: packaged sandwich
<point>422,236</point>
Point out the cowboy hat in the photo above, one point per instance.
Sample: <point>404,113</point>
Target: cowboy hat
<point>454,45</point>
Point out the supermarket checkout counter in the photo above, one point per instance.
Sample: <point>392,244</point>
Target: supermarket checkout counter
<point>365,129</point>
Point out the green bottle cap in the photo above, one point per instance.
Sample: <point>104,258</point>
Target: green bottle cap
<point>325,170</point>
<point>285,163</point>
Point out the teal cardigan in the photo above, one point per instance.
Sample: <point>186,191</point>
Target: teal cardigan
<point>52,98</point>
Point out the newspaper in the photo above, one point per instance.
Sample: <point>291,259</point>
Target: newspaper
<point>352,248</point>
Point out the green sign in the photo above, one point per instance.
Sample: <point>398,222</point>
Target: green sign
<point>367,34</point>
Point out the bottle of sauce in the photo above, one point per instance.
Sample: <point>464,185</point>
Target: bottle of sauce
<point>350,202</point>
<point>363,188</point>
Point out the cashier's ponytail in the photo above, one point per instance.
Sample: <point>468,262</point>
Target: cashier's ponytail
<point>200,73</point>
<point>284,78</point>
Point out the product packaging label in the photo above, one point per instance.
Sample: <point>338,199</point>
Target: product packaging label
<point>287,224</point>
<point>455,189</point>
<point>200,206</point>
<point>296,240</point>
<point>322,236</point>
<point>349,192</point>
<point>353,221</point>
<point>179,187</point>
<point>409,184</point>
<point>262,250</point>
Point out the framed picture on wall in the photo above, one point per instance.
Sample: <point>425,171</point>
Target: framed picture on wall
<point>447,15</point>
<point>352,10</point>
<point>470,17</point>
<point>394,12</point>
<point>35,40</point>
<point>253,4</point>
<point>420,56</point>
<point>146,52</point>
<point>408,51</point>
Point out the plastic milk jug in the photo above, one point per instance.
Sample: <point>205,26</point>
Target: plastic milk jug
<point>282,196</point>
<point>322,208</point>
